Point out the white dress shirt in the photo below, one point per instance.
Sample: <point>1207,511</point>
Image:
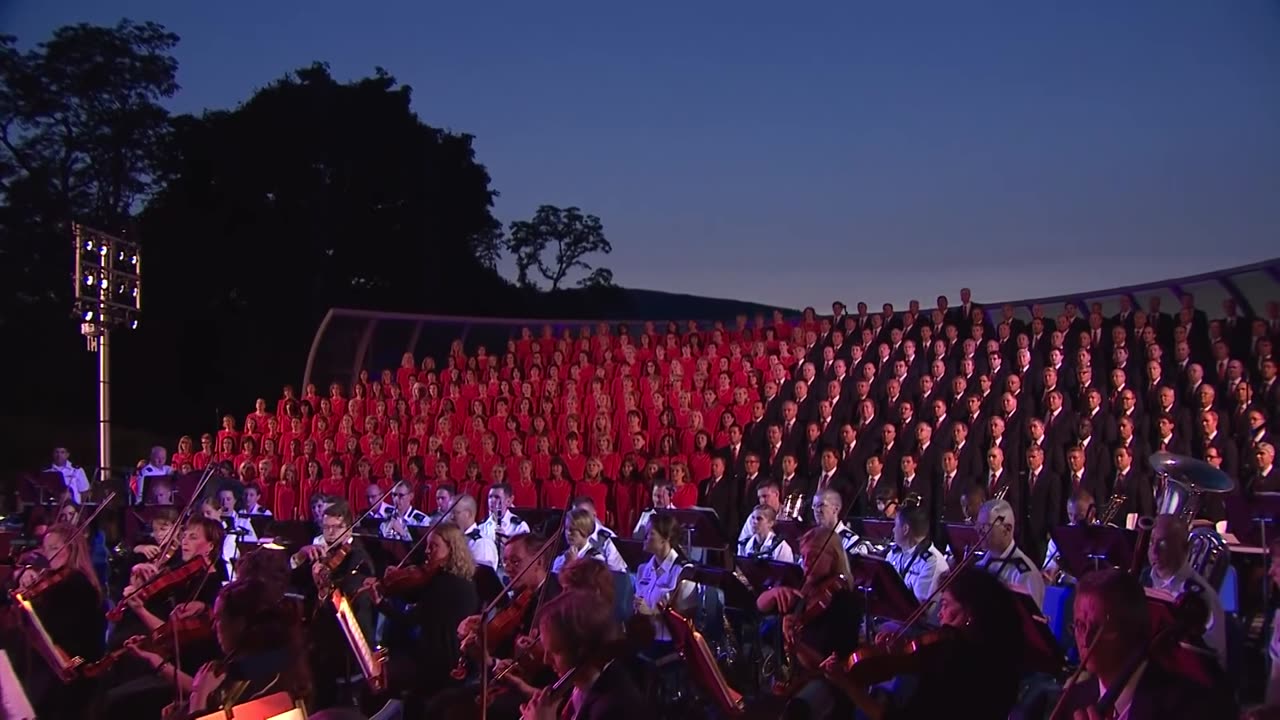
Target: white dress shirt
<point>483,549</point>
<point>919,567</point>
<point>413,518</point>
<point>74,478</point>
<point>605,552</point>
<point>850,541</point>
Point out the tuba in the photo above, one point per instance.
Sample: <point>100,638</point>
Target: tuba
<point>1182,481</point>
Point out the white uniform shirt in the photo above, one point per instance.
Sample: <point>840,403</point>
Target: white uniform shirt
<point>243,533</point>
<point>642,525</point>
<point>509,525</point>
<point>74,478</point>
<point>257,510</point>
<point>919,567</point>
<point>658,582</point>
<point>413,518</point>
<point>147,471</point>
<point>483,549</point>
<point>1014,568</point>
<point>1215,628</point>
<point>850,541</point>
<point>605,552</point>
<point>771,548</point>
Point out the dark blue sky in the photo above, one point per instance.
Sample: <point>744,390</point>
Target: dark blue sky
<point>791,154</point>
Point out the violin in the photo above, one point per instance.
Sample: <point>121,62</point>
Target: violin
<point>159,641</point>
<point>882,661</point>
<point>403,581</point>
<point>502,627</point>
<point>815,601</point>
<point>45,579</point>
<point>161,583</point>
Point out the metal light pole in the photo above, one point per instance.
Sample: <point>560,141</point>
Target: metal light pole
<point>108,296</point>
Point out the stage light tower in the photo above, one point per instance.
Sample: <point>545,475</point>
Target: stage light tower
<point>108,296</point>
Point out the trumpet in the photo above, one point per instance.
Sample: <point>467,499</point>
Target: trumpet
<point>792,507</point>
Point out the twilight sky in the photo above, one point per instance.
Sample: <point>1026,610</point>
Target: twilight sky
<point>792,153</point>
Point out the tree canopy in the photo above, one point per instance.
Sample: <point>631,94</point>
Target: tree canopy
<point>574,237</point>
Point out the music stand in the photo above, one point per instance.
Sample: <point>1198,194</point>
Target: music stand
<point>883,589</point>
<point>1085,548</point>
<point>764,574</point>
<point>1041,650</point>
<point>45,487</point>
<point>790,530</point>
<point>1246,517</point>
<point>137,521</point>
<point>383,552</point>
<point>544,521</point>
<point>736,595</point>
<point>632,552</point>
<point>962,538</point>
<point>702,526</point>
<point>290,533</point>
<point>877,531</point>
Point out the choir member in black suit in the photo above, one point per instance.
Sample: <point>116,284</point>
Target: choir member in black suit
<point>1097,455</point>
<point>1167,439</point>
<point>1134,485</point>
<point>952,488</point>
<point>915,482</point>
<point>1079,477</point>
<point>720,493</point>
<point>1043,509</point>
<point>1266,478</point>
<point>830,476</point>
<point>1212,437</point>
<point>1057,424</point>
<point>1136,445</point>
<point>968,454</point>
<point>1054,457</point>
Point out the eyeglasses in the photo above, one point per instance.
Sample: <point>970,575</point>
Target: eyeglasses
<point>399,494</point>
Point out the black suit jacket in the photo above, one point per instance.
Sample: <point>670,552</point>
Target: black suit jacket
<point>951,503</point>
<point>722,497</point>
<point>1139,496</point>
<point>1159,696</point>
<point>1043,510</point>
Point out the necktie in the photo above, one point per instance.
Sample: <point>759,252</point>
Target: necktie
<point>948,479</point>
<point>993,482</point>
<point>1075,480</point>
<point>1119,481</point>
<point>1031,480</point>
<point>826,477</point>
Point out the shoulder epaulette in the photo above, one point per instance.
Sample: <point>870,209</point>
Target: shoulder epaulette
<point>515,520</point>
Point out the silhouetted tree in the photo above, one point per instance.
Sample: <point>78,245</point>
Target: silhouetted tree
<point>574,235</point>
<point>82,134</point>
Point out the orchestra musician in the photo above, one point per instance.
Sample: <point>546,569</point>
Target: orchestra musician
<point>435,608</point>
<point>403,515</point>
<point>917,561</point>
<point>140,688</point>
<point>974,659</point>
<point>502,524</point>
<point>601,534</point>
<point>768,493</point>
<point>1112,628</point>
<point>1170,573</point>
<point>66,596</point>
<point>659,583</point>
<point>833,626</point>
<point>483,550</point>
<point>662,495</point>
<point>1002,558</point>
<point>579,535</point>
<point>582,640</point>
<point>1080,509</point>
<point>373,499</point>
<point>329,651</point>
<point>762,542</point>
<point>261,652</point>
<point>827,505</point>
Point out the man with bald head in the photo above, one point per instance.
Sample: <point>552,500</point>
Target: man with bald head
<point>483,549</point>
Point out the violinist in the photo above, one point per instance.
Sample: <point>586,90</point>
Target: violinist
<point>142,688</point>
<point>581,638</point>
<point>1002,557</point>
<point>819,619</point>
<point>436,608</point>
<point>579,534</point>
<point>658,581</point>
<point>973,659</point>
<point>261,644</point>
<point>163,521</point>
<point>1171,573</point>
<point>68,599</point>
<point>340,562</point>
<point>1112,628</point>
